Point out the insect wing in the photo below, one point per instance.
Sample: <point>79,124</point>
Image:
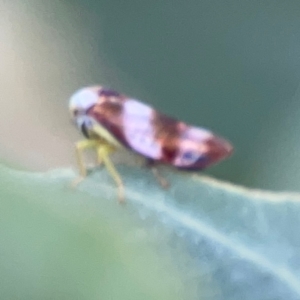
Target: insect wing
<point>139,130</point>
<point>129,122</point>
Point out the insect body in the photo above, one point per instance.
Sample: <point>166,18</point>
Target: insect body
<point>110,120</point>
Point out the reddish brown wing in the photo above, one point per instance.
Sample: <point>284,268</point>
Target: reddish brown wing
<point>138,127</point>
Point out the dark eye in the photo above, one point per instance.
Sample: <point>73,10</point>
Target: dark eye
<point>86,126</point>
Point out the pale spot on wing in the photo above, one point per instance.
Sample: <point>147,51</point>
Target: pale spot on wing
<point>195,152</point>
<point>197,134</point>
<point>138,129</point>
<point>193,146</point>
<point>134,107</point>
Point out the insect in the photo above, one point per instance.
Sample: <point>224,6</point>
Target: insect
<point>110,120</point>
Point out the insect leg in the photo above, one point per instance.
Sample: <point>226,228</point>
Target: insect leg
<point>103,152</point>
<point>80,147</point>
<point>161,180</point>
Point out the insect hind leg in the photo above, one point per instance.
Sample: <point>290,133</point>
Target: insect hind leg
<point>103,151</point>
<point>163,182</point>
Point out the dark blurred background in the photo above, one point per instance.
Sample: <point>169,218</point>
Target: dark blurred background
<point>230,66</point>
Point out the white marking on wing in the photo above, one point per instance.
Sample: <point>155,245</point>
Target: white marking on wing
<point>197,133</point>
<point>138,129</point>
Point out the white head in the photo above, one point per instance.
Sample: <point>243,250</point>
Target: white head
<point>81,101</point>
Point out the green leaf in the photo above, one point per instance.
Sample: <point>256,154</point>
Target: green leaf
<point>201,239</point>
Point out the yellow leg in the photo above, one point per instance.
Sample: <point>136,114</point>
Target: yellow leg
<point>103,152</point>
<point>162,181</point>
<point>80,147</point>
